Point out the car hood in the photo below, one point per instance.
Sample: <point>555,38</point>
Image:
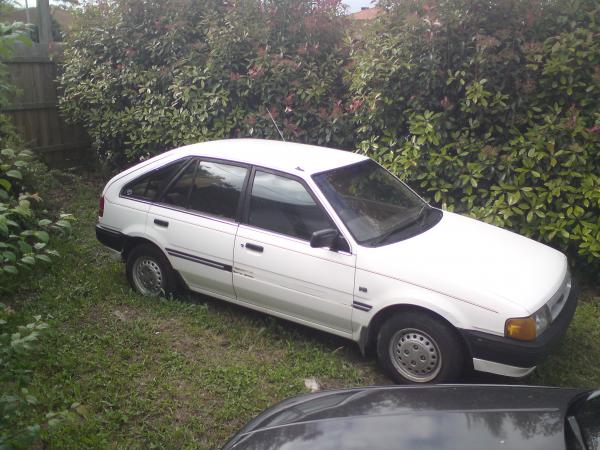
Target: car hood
<point>437,417</point>
<point>472,261</point>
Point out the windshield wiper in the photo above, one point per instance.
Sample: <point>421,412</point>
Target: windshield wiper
<point>572,421</point>
<point>583,408</point>
<point>401,226</point>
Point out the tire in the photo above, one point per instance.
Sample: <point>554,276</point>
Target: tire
<point>149,272</point>
<point>414,348</point>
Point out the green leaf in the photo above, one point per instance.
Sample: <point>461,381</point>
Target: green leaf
<point>5,184</point>
<point>42,236</point>
<point>14,174</point>
<point>64,224</point>
<point>28,260</point>
<point>24,247</point>
<point>9,152</point>
<point>44,258</point>
<point>529,216</point>
<point>10,269</point>
<point>9,256</point>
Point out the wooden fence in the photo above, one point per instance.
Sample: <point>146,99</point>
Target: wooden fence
<point>34,110</point>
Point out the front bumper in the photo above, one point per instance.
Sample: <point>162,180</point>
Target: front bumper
<point>511,357</point>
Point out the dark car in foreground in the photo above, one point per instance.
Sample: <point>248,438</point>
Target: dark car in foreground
<point>481,417</point>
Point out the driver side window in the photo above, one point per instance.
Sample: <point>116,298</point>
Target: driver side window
<point>283,205</point>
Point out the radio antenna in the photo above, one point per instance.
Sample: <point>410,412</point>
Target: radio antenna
<point>276,127</point>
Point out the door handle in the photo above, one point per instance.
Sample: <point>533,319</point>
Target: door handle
<point>161,223</point>
<point>255,248</point>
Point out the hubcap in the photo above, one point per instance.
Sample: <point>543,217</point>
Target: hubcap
<point>415,355</point>
<point>147,276</point>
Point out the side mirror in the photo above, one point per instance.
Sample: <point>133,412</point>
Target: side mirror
<point>325,238</point>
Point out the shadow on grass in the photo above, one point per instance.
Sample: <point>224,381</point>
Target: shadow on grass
<point>283,329</point>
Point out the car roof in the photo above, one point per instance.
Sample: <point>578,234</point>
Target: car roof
<point>284,156</point>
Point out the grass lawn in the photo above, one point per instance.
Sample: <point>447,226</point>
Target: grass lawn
<point>188,373</point>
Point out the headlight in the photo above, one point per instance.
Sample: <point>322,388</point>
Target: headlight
<point>528,328</point>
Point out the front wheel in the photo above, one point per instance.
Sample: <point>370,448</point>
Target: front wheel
<point>414,347</point>
<point>149,271</point>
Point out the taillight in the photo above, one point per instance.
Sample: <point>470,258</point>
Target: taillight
<point>101,206</point>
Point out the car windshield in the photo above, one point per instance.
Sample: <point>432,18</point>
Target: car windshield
<point>375,206</point>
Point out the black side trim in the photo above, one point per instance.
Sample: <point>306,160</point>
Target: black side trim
<point>110,238</point>
<point>361,306</point>
<point>520,353</point>
<point>197,259</point>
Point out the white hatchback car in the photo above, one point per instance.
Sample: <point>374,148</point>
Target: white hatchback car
<point>330,239</point>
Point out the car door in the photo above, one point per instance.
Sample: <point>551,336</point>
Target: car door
<point>131,206</point>
<point>275,267</point>
<point>196,221</point>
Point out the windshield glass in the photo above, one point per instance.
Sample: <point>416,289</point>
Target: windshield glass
<point>373,204</point>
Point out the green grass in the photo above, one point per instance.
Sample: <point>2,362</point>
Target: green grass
<point>187,373</point>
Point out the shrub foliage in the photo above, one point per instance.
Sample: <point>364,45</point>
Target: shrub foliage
<point>24,239</point>
<point>490,108</point>
<point>24,226</point>
<point>147,76</point>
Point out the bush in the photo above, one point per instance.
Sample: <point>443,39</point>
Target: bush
<point>150,76</point>
<point>490,109</point>
<point>24,239</point>
<point>24,229</point>
<point>16,344</point>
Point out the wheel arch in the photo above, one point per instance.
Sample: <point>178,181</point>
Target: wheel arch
<point>368,335</point>
<point>132,242</point>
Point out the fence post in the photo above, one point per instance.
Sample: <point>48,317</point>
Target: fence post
<point>45,29</point>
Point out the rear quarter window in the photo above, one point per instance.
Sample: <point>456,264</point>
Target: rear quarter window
<point>149,186</point>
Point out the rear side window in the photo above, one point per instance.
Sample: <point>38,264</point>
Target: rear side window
<point>284,205</point>
<point>217,189</point>
<point>149,186</point>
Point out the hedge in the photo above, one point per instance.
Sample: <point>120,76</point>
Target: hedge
<point>489,108</point>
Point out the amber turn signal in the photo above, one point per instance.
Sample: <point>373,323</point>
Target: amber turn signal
<point>522,328</point>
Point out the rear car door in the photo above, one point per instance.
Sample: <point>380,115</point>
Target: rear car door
<point>195,221</point>
<point>276,269</point>
<point>135,198</point>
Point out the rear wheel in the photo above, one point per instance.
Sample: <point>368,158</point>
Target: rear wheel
<point>414,347</point>
<point>149,271</point>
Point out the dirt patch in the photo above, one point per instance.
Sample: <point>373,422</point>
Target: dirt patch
<point>102,314</point>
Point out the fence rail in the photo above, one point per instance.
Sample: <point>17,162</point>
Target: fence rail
<point>34,110</point>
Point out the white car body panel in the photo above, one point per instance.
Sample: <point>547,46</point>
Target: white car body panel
<point>124,214</point>
<point>474,261</point>
<point>291,277</point>
<point>190,236</point>
<point>383,292</point>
